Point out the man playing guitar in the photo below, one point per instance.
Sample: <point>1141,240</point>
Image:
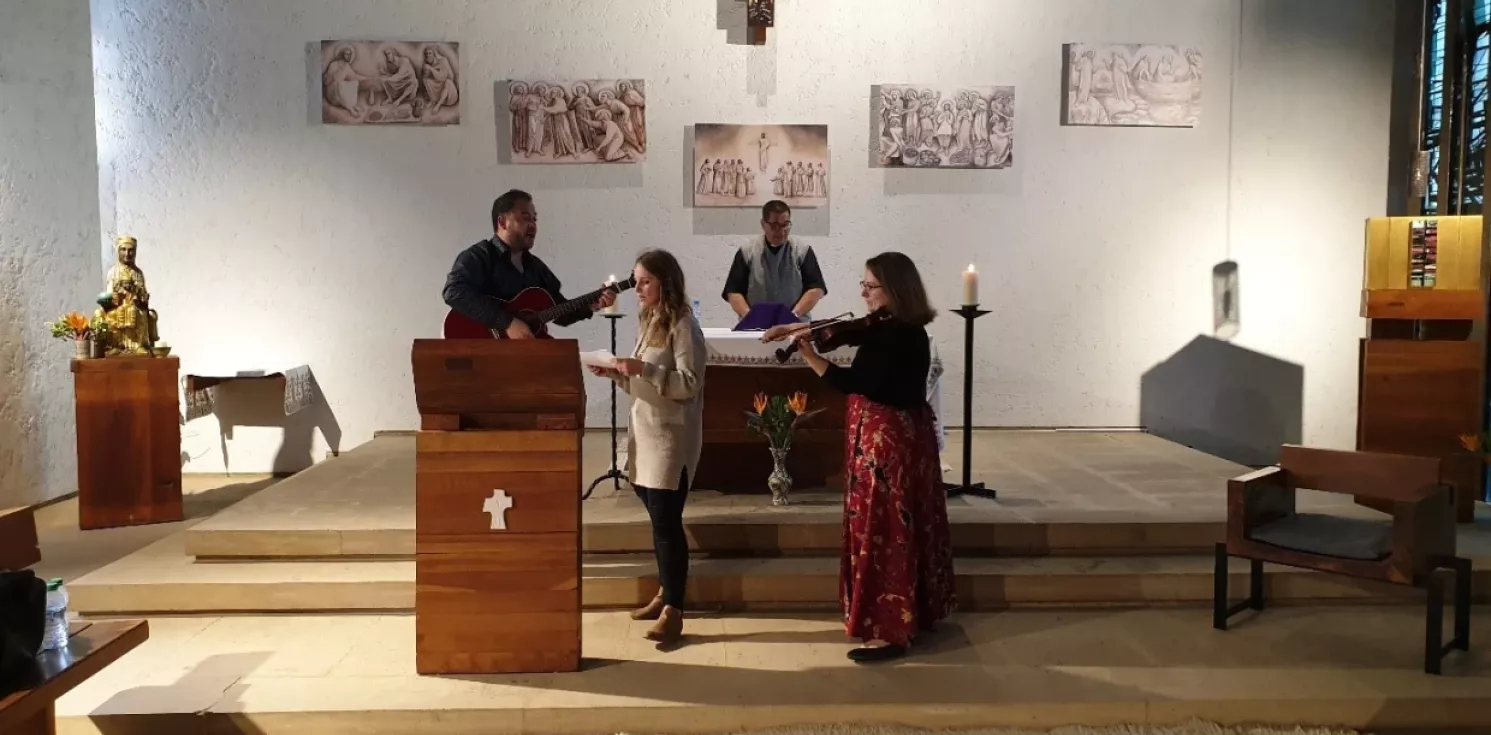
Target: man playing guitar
<point>497,270</point>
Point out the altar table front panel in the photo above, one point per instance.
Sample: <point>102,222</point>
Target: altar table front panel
<point>736,459</point>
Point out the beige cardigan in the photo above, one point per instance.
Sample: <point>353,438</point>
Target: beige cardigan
<point>667,419</point>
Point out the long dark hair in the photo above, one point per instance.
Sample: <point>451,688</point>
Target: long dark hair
<point>904,292</point>
<point>673,300</point>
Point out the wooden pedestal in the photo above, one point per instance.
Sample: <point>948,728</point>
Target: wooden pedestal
<point>736,459</point>
<point>497,506</point>
<point>1417,398</point>
<point>129,441</point>
<point>1423,366</point>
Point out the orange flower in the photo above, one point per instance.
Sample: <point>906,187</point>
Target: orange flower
<point>1471,442</point>
<point>798,403</point>
<point>76,322</point>
<point>760,403</point>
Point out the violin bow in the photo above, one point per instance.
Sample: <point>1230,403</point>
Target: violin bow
<point>846,316</point>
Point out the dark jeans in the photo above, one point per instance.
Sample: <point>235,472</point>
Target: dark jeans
<point>669,544</point>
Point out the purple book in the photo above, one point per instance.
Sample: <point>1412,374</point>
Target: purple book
<point>766,315</point>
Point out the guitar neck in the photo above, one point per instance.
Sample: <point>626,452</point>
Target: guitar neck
<point>573,306</point>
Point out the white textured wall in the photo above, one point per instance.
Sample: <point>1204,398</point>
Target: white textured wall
<point>1309,166</point>
<point>272,240</point>
<point>48,227</point>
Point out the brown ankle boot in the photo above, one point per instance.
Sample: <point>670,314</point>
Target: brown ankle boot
<point>669,627</point>
<point>651,610</point>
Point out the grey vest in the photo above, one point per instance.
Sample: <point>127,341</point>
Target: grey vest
<point>774,276</point>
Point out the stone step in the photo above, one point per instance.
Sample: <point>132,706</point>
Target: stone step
<point>740,537</point>
<point>161,580</point>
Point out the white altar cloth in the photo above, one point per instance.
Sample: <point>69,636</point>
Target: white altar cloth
<point>745,349</point>
<point>727,347</point>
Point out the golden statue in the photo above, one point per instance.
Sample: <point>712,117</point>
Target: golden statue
<point>125,305</point>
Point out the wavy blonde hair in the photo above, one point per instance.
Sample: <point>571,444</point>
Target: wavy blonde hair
<point>673,303</point>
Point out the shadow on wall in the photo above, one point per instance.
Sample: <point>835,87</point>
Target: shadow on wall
<point>730,17</point>
<point>1224,400</point>
<point>261,404</point>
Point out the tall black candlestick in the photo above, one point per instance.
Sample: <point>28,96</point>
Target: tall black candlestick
<point>614,474</point>
<point>969,313</point>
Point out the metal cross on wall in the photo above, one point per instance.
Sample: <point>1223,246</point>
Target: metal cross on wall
<point>760,15</point>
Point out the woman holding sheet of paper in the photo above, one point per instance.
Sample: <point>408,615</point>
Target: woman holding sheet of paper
<point>665,378</point>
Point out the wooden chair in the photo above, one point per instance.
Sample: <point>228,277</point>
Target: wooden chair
<point>1406,549</point>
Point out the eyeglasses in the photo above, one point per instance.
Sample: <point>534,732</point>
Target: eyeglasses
<point>863,286</point>
<point>779,225</point>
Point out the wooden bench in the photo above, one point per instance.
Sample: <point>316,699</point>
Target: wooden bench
<point>1406,548</point>
<point>90,647</point>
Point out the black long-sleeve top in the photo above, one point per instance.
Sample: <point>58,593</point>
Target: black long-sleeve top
<point>890,367</point>
<point>485,271</point>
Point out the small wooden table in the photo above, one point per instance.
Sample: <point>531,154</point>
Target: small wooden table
<point>90,647</point>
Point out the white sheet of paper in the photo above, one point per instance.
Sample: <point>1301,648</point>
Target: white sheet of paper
<point>598,358</point>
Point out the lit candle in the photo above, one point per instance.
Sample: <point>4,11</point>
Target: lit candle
<point>970,286</point>
<point>612,309</point>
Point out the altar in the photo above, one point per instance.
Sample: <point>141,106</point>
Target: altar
<point>736,459</point>
<point>740,366</point>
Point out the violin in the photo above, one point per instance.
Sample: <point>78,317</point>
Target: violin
<point>831,334</point>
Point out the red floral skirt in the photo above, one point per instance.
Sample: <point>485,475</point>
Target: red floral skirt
<point>896,574</point>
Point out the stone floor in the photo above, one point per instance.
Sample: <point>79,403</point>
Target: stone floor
<point>363,503</point>
<point>69,553</point>
<point>330,674</point>
<point>1353,667</point>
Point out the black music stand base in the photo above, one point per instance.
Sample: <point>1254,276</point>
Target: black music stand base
<point>614,474</point>
<point>968,486</point>
<point>977,489</point>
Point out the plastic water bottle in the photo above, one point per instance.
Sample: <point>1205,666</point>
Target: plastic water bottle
<point>56,631</point>
<point>698,313</point>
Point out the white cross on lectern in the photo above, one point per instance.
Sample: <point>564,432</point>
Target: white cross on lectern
<point>498,505</point>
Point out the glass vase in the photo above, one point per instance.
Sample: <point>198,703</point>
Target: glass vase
<point>81,347</point>
<point>779,481</point>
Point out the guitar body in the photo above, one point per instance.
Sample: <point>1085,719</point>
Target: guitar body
<point>525,306</point>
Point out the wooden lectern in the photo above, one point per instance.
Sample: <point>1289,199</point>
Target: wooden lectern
<point>1422,366</point>
<point>497,506</point>
<point>129,441</point>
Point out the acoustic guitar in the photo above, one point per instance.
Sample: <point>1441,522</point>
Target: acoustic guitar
<point>534,306</point>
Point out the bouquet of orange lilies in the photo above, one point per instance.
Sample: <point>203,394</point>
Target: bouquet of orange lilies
<point>1476,444</point>
<point>72,326</point>
<point>776,417</point>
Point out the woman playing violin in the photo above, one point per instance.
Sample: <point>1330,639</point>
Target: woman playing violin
<point>896,570</point>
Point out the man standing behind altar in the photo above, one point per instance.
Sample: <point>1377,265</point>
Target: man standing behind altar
<point>775,268</point>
